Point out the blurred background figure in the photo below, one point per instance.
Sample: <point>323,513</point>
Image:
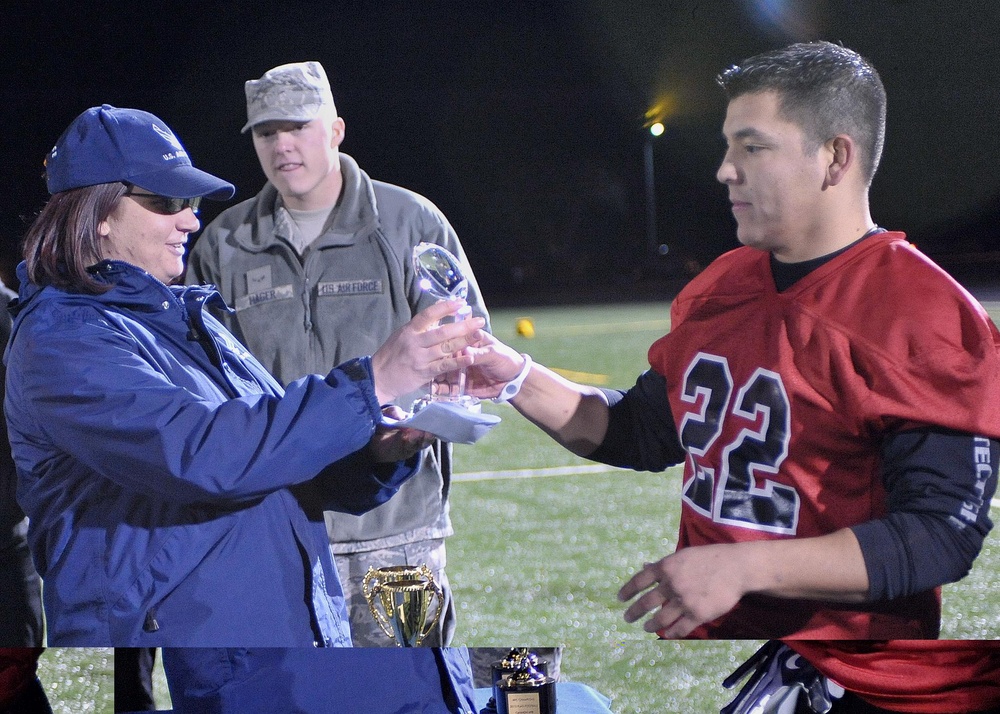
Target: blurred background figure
<point>134,679</point>
<point>21,691</point>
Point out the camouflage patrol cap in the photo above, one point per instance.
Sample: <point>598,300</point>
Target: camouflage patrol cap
<point>289,92</point>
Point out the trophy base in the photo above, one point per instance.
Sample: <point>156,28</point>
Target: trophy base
<point>538,699</point>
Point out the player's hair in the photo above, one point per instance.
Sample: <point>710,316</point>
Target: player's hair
<point>824,88</point>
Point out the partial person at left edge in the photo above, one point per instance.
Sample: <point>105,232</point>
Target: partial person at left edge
<point>21,622</point>
<point>175,492</point>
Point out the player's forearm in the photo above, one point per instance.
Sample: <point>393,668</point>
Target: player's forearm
<point>829,567</point>
<point>574,415</point>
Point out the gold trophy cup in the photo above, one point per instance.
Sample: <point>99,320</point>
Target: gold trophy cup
<point>399,597</point>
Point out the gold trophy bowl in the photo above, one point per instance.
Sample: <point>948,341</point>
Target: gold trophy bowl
<point>393,573</point>
<point>399,597</point>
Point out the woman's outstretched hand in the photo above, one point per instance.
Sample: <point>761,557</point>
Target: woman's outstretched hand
<point>423,348</point>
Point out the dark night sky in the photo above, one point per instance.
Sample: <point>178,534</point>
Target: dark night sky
<point>521,120</point>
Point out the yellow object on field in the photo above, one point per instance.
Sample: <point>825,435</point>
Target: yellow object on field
<point>585,377</point>
<point>525,327</point>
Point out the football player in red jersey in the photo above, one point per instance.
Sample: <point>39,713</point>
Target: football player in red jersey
<point>827,387</point>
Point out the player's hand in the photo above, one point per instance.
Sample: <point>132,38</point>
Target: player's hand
<point>684,590</point>
<point>495,365</point>
<point>396,443</point>
<point>422,349</point>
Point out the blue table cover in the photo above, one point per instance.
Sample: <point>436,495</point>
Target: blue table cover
<point>571,698</point>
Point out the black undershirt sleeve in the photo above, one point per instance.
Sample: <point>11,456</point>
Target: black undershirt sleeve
<point>641,433</point>
<point>940,484</point>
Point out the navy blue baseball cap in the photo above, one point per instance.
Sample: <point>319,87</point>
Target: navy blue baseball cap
<point>106,144</point>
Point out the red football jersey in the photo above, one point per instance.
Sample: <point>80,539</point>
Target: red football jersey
<point>919,676</point>
<point>782,401</point>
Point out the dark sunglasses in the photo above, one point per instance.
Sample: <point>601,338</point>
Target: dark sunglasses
<point>165,205</point>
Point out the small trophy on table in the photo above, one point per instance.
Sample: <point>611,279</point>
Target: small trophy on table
<point>400,597</point>
<point>521,685</point>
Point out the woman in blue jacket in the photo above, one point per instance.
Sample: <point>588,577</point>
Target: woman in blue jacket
<point>175,493</point>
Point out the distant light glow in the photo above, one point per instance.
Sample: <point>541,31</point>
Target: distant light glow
<point>663,108</point>
<point>797,20</point>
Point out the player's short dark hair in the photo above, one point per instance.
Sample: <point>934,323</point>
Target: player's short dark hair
<point>824,88</point>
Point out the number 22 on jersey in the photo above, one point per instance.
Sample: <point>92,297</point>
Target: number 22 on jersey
<point>734,442</point>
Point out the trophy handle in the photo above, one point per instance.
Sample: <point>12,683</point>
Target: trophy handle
<point>382,619</point>
<point>367,586</point>
<point>432,621</point>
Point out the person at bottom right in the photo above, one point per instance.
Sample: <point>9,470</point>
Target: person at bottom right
<point>869,677</point>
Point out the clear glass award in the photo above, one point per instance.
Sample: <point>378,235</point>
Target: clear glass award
<point>440,274</point>
<point>445,411</point>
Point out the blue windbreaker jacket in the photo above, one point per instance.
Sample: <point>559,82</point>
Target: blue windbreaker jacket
<point>375,680</point>
<point>175,494</point>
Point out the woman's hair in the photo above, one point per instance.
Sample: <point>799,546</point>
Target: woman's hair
<point>63,241</point>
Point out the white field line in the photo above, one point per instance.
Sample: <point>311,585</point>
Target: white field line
<point>560,471</point>
<point>534,473</point>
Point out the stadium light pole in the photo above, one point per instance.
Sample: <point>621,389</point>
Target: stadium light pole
<point>654,130</point>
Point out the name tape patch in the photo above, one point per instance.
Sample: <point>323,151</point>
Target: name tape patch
<point>350,287</point>
<point>282,292</point>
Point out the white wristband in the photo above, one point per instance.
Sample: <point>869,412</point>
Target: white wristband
<point>512,387</point>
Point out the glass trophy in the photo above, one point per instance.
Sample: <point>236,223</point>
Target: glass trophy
<point>445,411</point>
<point>440,274</point>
